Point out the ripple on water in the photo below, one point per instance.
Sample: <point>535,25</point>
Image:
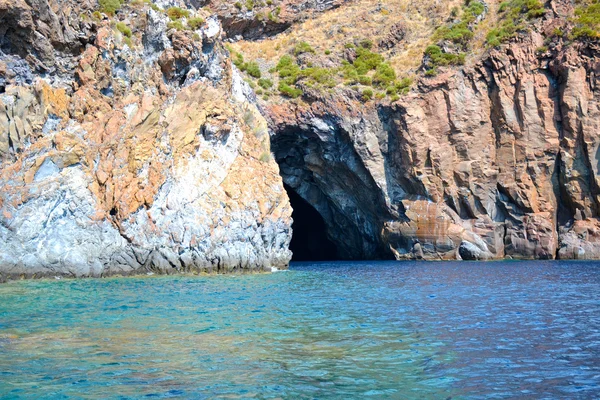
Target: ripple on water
<point>324,330</point>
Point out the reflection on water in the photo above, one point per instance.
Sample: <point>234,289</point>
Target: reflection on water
<point>328,330</point>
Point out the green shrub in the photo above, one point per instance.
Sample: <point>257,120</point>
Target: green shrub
<point>457,33</point>
<point>587,21</point>
<point>195,23</point>
<point>403,85</point>
<point>327,52</point>
<point>439,58</point>
<point>288,70</point>
<point>124,29</point>
<point>303,47</point>
<point>177,25</point>
<point>238,5</point>
<point>516,9</point>
<point>433,50</point>
<point>110,7</point>
<point>289,91</point>
<point>265,83</point>
<point>249,5</point>
<point>349,72</point>
<point>365,80</point>
<point>253,69</point>
<point>284,62</point>
<point>513,13</point>
<point>367,94</point>
<point>497,36</point>
<point>238,61</point>
<point>152,5</point>
<point>384,75</point>
<point>461,32</point>
<point>176,13</point>
<point>400,87</point>
<point>475,8</point>
<point>366,60</point>
<point>321,76</point>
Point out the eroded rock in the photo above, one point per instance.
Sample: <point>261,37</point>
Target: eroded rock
<point>497,160</point>
<point>151,158</point>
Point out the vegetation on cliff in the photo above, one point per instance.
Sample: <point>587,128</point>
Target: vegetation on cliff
<point>369,44</point>
<point>513,18</point>
<point>587,20</point>
<point>365,45</point>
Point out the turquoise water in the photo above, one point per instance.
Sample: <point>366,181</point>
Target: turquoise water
<point>381,330</point>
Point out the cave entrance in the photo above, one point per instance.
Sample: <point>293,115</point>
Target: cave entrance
<point>309,237</point>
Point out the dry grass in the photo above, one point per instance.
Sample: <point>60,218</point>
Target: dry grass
<point>329,32</point>
<point>363,19</point>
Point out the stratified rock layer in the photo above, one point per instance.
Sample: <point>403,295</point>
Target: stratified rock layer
<point>150,157</point>
<point>497,160</point>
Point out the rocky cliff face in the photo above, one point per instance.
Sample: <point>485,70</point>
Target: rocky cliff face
<point>496,160</point>
<point>129,143</point>
<point>128,146</point>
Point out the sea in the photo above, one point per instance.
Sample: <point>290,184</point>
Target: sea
<point>321,330</point>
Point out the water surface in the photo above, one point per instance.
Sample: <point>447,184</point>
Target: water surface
<point>322,330</point>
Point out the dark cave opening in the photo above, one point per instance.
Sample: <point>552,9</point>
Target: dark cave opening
<point>309,238</point>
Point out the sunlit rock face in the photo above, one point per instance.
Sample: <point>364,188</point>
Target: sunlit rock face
<point>495,160</point>
<point>130,154</point>
<point>128,145</point>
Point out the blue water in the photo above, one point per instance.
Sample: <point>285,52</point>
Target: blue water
<point>381,330</point>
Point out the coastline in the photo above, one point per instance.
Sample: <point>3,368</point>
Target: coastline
<point>10,277</point>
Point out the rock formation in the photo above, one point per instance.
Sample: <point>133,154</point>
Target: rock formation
<point>129,143</point>
<point>127,146</point>
<point>495,160</point>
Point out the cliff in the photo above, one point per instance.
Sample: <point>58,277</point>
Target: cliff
<point>132,140</point>
<point>128,145</point>
<point>494,159</point>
